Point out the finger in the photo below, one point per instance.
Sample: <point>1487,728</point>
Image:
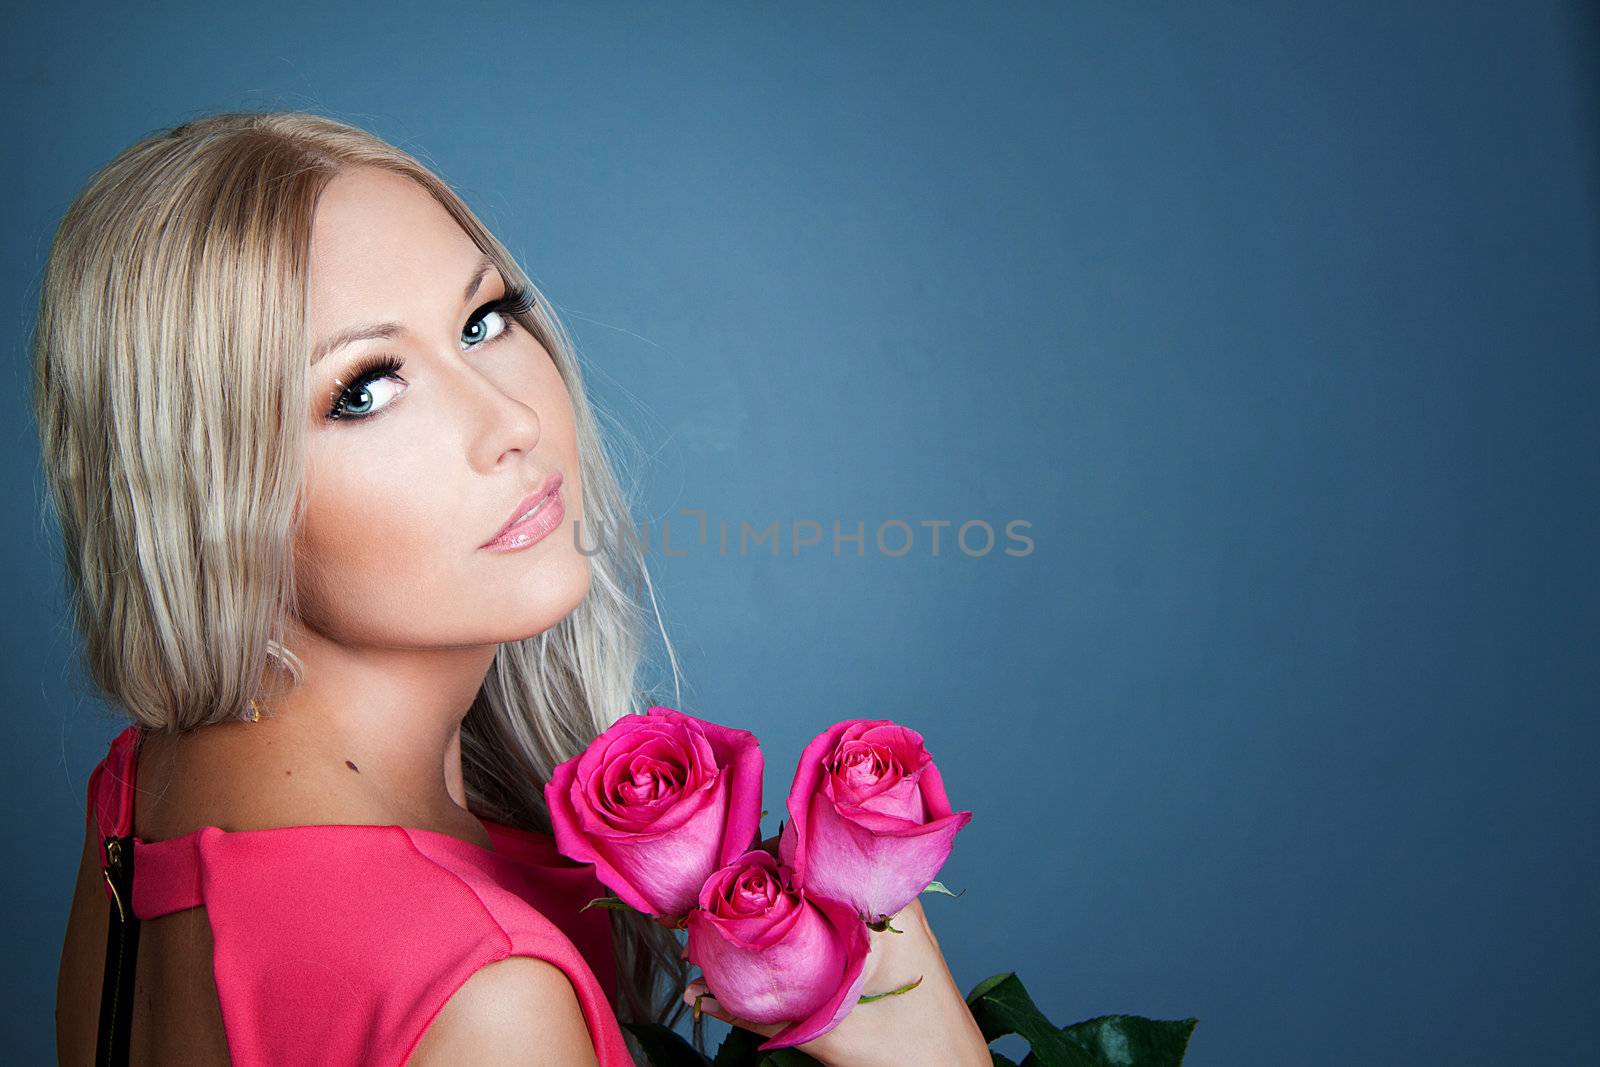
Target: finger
<point>700,999</point>
<point>709,1005</point>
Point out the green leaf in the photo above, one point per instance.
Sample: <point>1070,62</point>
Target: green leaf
<point>614,903</point>
<point>1001,1061</point>
<point>665,1047</point>
<point>983,987</point>
<point>939,887</point>
<point>1001,1006</point>
<point>1127,1041</point>
<point>908,987</point>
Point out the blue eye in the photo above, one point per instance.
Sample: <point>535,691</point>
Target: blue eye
<point>359,400</point>
<point>476,327</point>
<point>505,309</point>
<point>354,401</point>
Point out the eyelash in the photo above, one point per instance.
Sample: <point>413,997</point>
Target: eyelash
<point>515,302</point>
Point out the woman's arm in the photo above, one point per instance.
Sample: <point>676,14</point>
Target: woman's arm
<point>930,1024</point>
<point>516,1010</point>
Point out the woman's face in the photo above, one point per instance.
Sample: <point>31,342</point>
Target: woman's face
<point>414,467</point>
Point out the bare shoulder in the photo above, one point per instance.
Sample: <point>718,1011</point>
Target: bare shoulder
<point>517,1010</point>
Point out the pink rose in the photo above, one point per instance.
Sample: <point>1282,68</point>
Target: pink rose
<point>772,952</point>
<point>869,822</point>
<point>657,803</point>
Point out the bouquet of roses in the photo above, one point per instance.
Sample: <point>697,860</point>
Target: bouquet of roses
<point>667,807</point>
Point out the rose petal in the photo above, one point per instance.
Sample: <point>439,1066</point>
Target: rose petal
<point>876,864</point>
<point>855,945</point>
<point>738,753</point>
<point>793,838</point>
<point>656,803</point>
<point>795,966</point>
<point>572,842</point>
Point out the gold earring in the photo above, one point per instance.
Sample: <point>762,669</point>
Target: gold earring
<point>255,712</point>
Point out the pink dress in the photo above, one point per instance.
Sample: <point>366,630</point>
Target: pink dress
<point>339,944</point>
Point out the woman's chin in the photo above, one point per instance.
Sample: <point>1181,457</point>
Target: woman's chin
<point>546,594</point>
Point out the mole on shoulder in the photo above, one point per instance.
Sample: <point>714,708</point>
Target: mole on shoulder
<point>352,766</point>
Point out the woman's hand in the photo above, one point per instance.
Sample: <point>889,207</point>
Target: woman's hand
<point>930,1024</point>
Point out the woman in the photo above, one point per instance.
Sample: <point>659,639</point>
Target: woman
<point>345,544</point>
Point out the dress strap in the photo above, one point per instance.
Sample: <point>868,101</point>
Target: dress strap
<point>166,874</point>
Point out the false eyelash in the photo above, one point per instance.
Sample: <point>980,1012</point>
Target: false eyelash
<point>515,302</point>
<point>368,370</point>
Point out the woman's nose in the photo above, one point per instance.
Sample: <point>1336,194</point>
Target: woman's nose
<point>500,422</point>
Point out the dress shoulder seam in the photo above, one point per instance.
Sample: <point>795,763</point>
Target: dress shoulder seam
<point>505,935</point>
<point>507,950</point>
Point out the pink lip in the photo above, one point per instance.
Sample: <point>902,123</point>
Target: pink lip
<point>518,535</point>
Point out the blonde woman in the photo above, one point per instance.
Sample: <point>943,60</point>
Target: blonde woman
<point>345,544</point>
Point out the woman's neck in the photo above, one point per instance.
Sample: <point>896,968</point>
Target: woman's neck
<point>365,740</point>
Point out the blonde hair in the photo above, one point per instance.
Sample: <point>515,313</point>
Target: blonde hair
<point>170,378</point>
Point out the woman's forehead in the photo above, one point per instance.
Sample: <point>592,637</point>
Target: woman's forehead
<point>369,216</point>
<point>381,243</point>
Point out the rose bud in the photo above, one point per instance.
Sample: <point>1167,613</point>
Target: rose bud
<point>772,952</point>
<point>657,802</point>
<point>869,822</point>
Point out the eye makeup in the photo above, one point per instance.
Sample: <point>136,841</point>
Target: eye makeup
<point>374,368</point>
<point>365,372</point>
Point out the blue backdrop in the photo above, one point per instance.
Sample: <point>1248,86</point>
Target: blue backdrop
<point>1276,324</point>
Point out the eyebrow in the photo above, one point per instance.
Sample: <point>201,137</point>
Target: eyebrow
<point>386,330</point>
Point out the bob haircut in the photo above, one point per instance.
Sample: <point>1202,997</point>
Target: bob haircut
<point>180,275</point>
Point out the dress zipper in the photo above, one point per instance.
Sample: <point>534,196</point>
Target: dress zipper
<point>122,944</point>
